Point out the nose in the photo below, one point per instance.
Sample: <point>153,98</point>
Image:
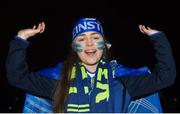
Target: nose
<point>89,41</point>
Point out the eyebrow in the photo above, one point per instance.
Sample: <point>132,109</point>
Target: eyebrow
<point>94,33</point>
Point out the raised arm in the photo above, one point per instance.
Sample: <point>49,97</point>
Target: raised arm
<point>17,69</point>
<point>29,32</point>
<point>164,73</point>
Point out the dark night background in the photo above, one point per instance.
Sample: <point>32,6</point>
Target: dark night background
<point>120,20</point>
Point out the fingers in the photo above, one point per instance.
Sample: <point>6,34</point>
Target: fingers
<point>40,28</point>
<point>140,28</point>
<point>43,27</point>
<point>144,29</point>
<point>147,30</point>
<point>34,27</point>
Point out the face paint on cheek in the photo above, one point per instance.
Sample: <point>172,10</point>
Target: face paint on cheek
<point>100,45</point>
<point>77,47</point>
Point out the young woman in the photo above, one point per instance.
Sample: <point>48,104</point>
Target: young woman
<point>89,82</point>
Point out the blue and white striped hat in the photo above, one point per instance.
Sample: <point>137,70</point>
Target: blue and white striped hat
<point>85,25</point>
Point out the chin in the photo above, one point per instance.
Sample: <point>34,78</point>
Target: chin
<point>92,62</point>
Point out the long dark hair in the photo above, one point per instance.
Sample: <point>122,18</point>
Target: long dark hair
<point>62,89</point>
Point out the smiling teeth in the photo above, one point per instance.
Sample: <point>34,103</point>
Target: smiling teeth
<point>90,51</point>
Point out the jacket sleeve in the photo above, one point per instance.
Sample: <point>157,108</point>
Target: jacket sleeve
<point>18,74</point>
<point>163,75</point>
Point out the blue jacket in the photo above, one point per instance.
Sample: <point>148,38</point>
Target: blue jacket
<point>150,103</point>
<point>163,75</point>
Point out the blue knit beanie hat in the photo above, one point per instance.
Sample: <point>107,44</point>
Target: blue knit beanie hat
<point>86,25</point>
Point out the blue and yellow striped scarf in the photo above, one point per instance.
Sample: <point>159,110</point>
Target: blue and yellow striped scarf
<point>34,104</point>
<point>87,94</point>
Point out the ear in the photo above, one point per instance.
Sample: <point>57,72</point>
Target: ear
<point>73,46</point>
<point>108,45</point>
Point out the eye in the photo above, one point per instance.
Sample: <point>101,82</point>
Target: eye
<point>96,38</point>
<point>80,39</point>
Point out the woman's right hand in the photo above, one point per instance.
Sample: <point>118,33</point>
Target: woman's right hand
<point>29,32</point>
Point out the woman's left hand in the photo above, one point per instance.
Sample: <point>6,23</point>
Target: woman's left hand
<point>147,30</point>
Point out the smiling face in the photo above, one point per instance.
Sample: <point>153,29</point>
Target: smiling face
<point>89,47</point>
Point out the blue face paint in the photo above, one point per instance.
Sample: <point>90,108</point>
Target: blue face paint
<point>77,47</point>
<point>100,45</point>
